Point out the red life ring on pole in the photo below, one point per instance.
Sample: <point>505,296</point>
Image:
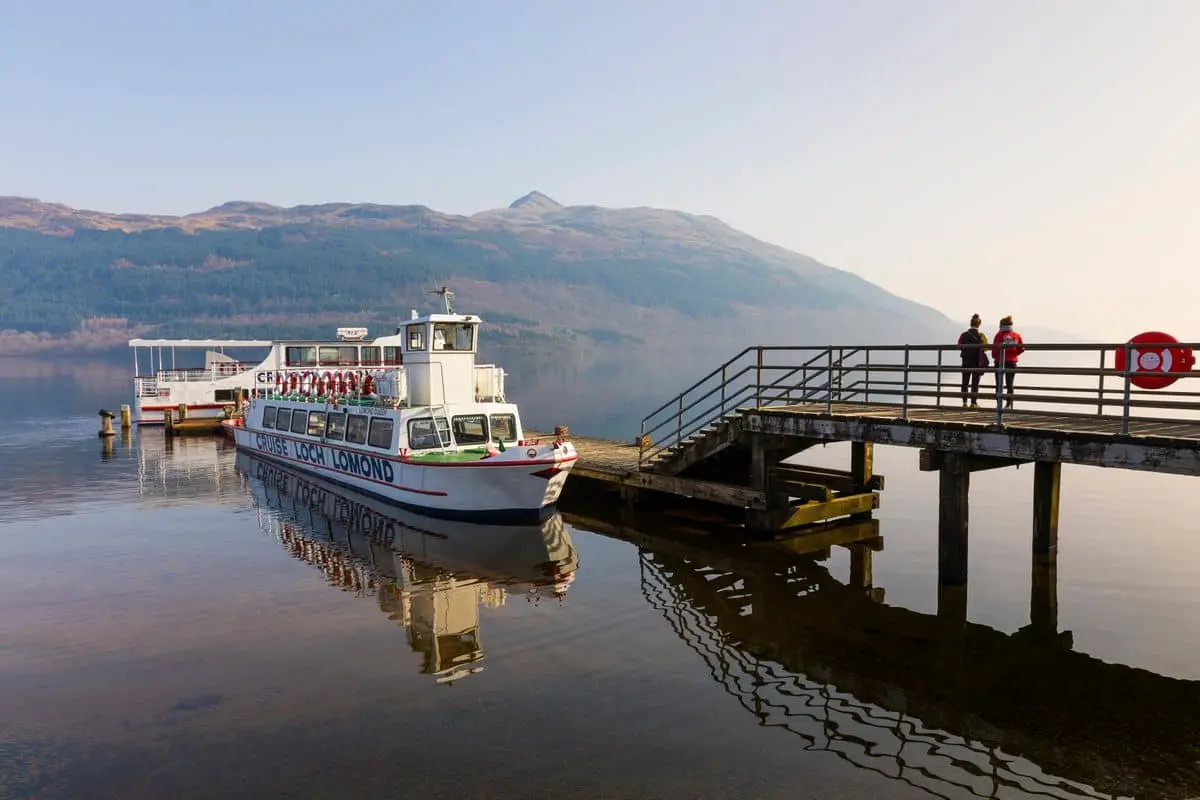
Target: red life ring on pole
<point>1155,351</point>
<point>351,381</point>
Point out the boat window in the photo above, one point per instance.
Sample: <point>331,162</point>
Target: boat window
<point>453,336</point>
<point>339,355</point>
<point>269,417</point>
<point>225,395</point>
<point>335,427</point>
<point>316,423</point>
<point>284,420</point>
<point>392,356</point>
<point>299,420</point>
<point>381,432</point>
<point>370,357</point>
<point>416,338</point>
<point>504,427</point>
<point>356,429</point>
<point>422,435</point>
<point>470,429</point>
<point>305,356</point>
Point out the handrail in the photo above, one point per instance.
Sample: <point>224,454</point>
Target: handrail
<point>915,376</point>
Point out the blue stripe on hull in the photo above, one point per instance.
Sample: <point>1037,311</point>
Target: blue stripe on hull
<point>502,516</point>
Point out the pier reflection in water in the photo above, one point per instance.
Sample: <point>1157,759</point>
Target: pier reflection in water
<point>429,575</point>
<point>930,700</point>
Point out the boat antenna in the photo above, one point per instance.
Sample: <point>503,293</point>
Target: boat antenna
<point>446,295</point>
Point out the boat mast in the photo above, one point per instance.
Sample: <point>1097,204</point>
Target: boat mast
<point>446,295</point>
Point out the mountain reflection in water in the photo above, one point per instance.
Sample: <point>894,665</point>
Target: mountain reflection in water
<point>428,575</point>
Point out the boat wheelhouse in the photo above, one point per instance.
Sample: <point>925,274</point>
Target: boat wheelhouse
<point>430,431</point>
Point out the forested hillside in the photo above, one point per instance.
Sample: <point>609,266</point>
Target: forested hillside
<point>535,269</point>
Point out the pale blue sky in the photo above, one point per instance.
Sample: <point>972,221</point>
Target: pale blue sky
<point>1032,157</point>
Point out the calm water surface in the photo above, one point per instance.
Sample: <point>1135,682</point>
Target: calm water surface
<point>176,621</point>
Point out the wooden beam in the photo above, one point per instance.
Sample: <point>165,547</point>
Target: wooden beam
<point>723,493</point>
<point>827,536</point>
<point>807,492</point>
<point>792,445</point>
<point>809,513</point>
<point>838,480</point>
<point>932,460</point>
<point>1102,448</point>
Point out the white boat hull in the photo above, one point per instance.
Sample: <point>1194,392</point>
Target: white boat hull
<point>518,486</point>
<point>504,554</point>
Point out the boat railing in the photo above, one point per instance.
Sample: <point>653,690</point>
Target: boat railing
<point>145,386</point>
<point>215,372</point>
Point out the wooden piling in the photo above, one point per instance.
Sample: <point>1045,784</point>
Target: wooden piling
<point>106,426</point>
<point>1047,482</point>
<point>953,505</point>
<point>862,469</point>
<point>763,459</point>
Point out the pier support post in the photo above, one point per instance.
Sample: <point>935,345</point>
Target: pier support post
<point>954,490</point>
<point>763,459</point>
<point>862,469</point>
<point>1043,590</point>
<point>1047,480</point>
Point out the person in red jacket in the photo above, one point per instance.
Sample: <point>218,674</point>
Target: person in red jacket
<point>1007,347</point>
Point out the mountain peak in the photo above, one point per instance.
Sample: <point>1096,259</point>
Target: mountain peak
<point>536,201</point>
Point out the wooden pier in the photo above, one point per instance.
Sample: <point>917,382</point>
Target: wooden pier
<point>723,439</point>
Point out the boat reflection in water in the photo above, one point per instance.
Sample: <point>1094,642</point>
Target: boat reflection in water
<point>187,470</point>
<point>430,575</point>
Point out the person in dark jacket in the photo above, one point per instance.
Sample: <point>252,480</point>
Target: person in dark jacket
<point>972,344</point>
<point>1012,345</point>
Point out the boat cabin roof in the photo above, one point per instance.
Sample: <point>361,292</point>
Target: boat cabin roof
<point>208,343</point>
<point>221,343</point>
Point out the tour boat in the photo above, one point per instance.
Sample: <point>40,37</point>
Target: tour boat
<point>429,430</point>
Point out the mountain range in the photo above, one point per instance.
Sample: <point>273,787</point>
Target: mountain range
<point>537,271</point>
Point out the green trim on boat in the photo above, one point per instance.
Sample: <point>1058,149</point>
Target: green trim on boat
<point>451,456</point>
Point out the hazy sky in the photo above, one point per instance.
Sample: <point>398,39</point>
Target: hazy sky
<point>1032,157</point>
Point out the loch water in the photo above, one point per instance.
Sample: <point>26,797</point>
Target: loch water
<point>180,621</point>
